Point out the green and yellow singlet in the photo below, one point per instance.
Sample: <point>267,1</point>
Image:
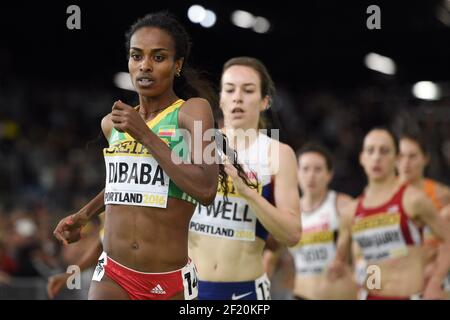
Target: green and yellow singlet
<point>133,176</point>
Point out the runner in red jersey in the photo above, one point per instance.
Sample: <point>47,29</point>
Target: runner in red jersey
<point>385,223</point>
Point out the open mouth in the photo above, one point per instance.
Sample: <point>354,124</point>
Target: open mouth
<point>237,111</point>
<point>145,82</point>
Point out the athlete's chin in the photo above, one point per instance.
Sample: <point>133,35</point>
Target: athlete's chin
<point>147,92</point>
<point>238,123</point>
<point>377,177</point>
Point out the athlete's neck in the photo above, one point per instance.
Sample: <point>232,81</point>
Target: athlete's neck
<point>312,200</point>
<point>387,185</point>
<point>149,107</point>
<point>417,182</point>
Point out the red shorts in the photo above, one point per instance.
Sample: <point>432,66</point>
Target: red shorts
<point>149,286</point>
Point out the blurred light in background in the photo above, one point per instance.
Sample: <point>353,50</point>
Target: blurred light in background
<point>122,80</point>
<point>198,14</point>
<point>262,25</point>
<point>377,62</point>
<point>427,90</point>
<point>246,20</point>
<point>242,19</point>
<point>209,20</point>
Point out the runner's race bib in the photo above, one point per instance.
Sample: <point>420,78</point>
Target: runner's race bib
<point>314,253</point>
<point>135,180</point>
<point>232,219</point>
<point>379,236</point>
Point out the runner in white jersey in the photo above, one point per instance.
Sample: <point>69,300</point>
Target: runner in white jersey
<point>320,225</point>
<point>227,238</point>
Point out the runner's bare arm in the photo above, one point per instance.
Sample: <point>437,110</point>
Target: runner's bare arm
<point>272,254</point>
<point>199,180</point>
<point>344,242</point>
<point>283,220</point>
<point>420,207</point>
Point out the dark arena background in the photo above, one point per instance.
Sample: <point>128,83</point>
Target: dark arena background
<point>335,77</point>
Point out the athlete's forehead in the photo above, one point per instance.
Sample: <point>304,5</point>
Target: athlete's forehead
<point>311,158</point>
<point>152,38</point>
<point>409,146</point>
<point>379,137</point>
<point>238,75</point>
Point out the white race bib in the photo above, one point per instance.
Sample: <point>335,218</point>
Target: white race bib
<point>380,237</point>
<point>314,253</point>
<point>135,180</point>
<point>232,220</point>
